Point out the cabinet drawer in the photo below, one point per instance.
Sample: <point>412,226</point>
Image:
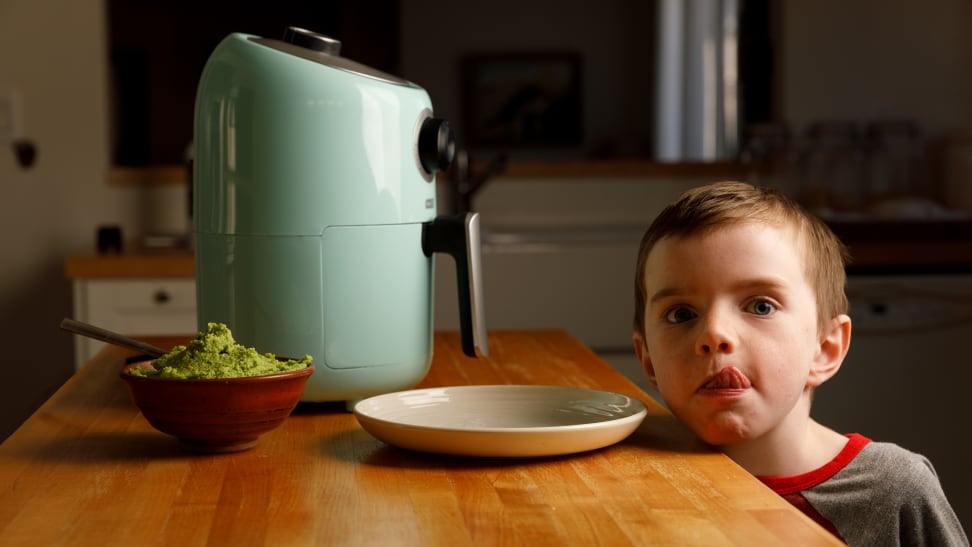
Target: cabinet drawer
<point>142,304</point>
<point>134,307</point>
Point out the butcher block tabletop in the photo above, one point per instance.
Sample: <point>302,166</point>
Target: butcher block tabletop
<point>87,469</point>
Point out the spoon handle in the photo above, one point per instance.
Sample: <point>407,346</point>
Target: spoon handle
<point>98,333</point>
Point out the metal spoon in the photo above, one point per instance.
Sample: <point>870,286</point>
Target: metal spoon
<point>98,333</point>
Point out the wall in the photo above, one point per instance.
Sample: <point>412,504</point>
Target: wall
<point>51,55</point>
<point>878,58</point>
<point>611,40</point>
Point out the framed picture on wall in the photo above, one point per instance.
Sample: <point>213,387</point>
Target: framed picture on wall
<point>521,100</point>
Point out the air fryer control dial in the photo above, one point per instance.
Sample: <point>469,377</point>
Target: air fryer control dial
<point>436,145</point>
<point>312,40</point>
<point>324,50</point>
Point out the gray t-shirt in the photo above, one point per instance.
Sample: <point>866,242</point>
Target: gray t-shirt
<point>875,493</point>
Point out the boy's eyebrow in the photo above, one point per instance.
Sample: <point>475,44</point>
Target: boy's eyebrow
<point>662,293</point>
<point>753,283</point>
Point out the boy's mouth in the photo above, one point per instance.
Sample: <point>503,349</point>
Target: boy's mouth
<point>729,377</point>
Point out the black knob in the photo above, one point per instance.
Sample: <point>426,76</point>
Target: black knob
<point>161,297</point>
<point>436,145</point>
<point>312,40</point>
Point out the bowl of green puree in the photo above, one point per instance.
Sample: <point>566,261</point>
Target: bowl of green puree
<point>215,395</point>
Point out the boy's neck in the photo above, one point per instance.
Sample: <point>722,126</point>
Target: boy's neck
<point>785,454</point>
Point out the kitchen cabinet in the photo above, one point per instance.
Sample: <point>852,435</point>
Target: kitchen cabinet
<point>905,377</point>
<point>150,295</point>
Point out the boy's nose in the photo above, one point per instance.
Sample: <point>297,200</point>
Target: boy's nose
<point>716,336</point>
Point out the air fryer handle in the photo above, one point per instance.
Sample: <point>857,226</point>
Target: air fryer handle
<point>458,235</point>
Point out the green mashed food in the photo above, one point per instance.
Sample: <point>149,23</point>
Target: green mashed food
<point>214,353</point>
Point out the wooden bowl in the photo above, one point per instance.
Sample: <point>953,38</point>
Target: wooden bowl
<point>216,415</point>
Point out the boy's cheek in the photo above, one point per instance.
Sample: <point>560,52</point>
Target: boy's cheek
<point>649,371</point>
<point>641,351</point>
<point>653,381</point>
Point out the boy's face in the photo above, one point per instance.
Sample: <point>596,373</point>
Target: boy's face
<point>731,339</point>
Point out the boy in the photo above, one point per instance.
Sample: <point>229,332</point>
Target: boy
<point>740,313</point>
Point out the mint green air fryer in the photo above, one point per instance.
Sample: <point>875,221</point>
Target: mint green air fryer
<point>314,213</point>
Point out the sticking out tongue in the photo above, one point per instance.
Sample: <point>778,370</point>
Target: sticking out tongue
<point>728,378</point>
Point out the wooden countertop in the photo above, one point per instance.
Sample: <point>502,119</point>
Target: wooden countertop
<point>87,469</point>
<point>131,265</point>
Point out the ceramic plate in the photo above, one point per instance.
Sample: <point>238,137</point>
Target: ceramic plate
<point>501,421</point>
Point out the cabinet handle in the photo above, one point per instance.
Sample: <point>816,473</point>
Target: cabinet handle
<point>161,297</point>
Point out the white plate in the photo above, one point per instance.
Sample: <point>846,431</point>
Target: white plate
<point>503,420</point>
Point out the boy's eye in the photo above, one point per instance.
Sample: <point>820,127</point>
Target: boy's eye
<point>760,307</point>
<point>679,315</point>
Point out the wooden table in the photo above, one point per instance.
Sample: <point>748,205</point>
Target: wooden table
<point>87,469</point>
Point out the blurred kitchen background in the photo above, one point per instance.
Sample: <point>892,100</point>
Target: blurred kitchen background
<point>577,124</point>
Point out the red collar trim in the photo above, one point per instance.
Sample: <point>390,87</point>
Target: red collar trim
<point>798,483</point>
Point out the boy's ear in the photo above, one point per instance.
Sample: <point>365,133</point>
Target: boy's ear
<point>833,348</point>
<point>641,351</point>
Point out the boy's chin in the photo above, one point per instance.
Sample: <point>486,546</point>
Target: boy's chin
<point>722,434</point>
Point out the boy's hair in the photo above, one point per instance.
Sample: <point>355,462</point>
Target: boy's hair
<point>726,203</point>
